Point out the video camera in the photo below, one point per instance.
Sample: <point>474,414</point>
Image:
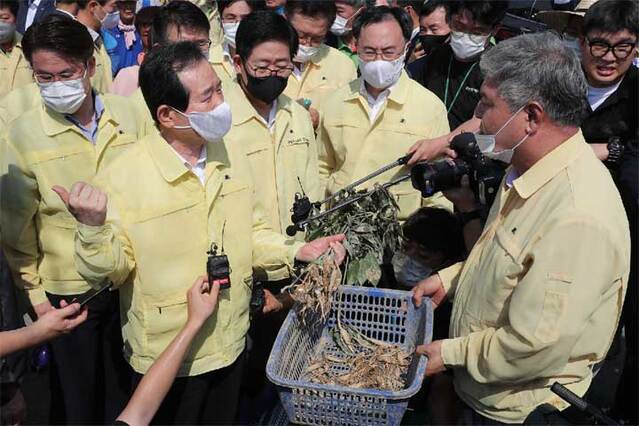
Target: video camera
<point>485,175</point>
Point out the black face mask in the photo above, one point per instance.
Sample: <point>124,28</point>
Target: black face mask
<point>266,89</point>
<point>431,41</point>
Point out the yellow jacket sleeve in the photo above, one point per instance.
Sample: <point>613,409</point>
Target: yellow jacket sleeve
<point>103,251</point>
<point>571,275</point>
<point>449,277</point>
<point>326,158</point>
<point>271,250</point>
<point>19,205</point>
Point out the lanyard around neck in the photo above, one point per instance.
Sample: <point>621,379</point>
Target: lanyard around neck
<point>461,86</point>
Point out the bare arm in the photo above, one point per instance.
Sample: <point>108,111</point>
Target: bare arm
<point>50,325</point>
<point>158,380</point>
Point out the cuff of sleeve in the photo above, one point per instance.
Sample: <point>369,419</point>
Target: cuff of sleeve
<point>93,234</point>
<point>449,277</point>
<point>454,352</point>
<point>295,247</point>
<point>36,296</point>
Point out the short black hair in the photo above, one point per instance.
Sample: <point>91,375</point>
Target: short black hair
<point>12,5</point>
<point>181,14</point>
<point>53,33</point>
<point>146,15</point>
<point>262,26</point>
<point>437,230</point>
<point>253,4</point>
<point>611,16</point>
<point>374,15</point>
<point>312,8</point>
<point>485,12</point>
<point>159,80</point>
<point>417,5</point>
<point>432,5</point>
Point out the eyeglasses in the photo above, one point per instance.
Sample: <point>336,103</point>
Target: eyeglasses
<point>372,54</point>
<point>264,72</point>
<point>63,76</point>
<point>600,48</point>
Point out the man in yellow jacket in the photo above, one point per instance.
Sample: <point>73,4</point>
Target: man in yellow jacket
<point>88,12</point>
<point>539,297</point>
<point>71,135</point>
<point>173,197</point>
<point>231,14</point>
<point>375,119</point>
<point>318,70</point>
<point>273,131</point>
<point>184,21</point>
<point>14,69</point>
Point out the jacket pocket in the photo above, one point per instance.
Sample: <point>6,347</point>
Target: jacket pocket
<point>163,321</point>
<point>500,277</point>
<point>547,330</point>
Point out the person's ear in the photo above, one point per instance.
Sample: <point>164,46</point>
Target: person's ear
<point>237,64</point>
<point>535,115</point>
<point>166,116</point>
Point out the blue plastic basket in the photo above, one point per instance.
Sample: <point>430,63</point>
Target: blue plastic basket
<point>386,315</point>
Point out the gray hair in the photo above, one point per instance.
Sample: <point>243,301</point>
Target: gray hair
<point>538,67</point>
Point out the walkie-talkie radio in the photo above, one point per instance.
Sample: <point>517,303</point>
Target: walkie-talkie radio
<point>217,265</point>
<point>218,268</point>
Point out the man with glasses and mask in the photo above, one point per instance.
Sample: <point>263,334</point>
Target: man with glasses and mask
<point>539,297</point>
<point>376,118</point>
<point>72,134</point>
<point>318,70</point>
<point>275,135</point>
<point>175,195</point>
<point>608,44</point>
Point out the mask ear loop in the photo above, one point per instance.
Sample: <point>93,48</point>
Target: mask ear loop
<point>506,124</point>
<point>183,115</point>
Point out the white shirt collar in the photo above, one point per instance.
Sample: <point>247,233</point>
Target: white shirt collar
<point>271,117</point>
<point>94,35</point>
<point>298,72</point>
<point>375,105</point>
<point>511,177</point>
<point>199,169</point>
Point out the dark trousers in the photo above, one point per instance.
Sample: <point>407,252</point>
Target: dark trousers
<point>90,380</point>
<point>209,398</point>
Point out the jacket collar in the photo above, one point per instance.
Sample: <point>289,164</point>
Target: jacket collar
<point>172,167</point>
<point>550,165</point>
<point>398,93</point>
<point>243,111</point>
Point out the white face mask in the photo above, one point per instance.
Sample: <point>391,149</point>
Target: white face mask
<point>111,20</point>
<point>210,125</point>
<point>230,29</point>
<point>64,97</point>
<point>486,143</point>
<point>305,53</point>
<point>382,74</point>
<point>339,26</point>
<point>466,46</point>
<point>7,31</point>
